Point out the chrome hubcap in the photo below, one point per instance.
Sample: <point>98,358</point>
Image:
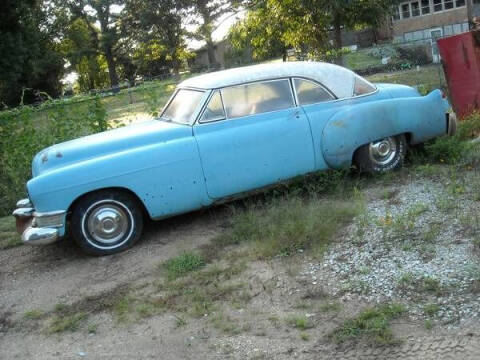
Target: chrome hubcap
<point>384,151</point>
<point>107,224</point>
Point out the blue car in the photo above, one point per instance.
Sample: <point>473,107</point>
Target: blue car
<point>222,135</point>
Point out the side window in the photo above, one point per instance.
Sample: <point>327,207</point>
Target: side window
<point>257,98</point>
<point>362,87</point>
<point>214,110</point>
<point>309,92</point>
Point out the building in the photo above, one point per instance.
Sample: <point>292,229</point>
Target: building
<point>201,55</point>
<point>429,19</point>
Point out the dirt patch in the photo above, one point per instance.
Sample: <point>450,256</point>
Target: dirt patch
<point>58,303</point>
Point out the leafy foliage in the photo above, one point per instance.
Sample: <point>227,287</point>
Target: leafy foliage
<point>26,130</point>
<point>30,59</point>
<point>275,25</point>
<point>451,149</point>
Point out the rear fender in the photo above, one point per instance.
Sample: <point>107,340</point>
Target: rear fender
<point>421,117</point>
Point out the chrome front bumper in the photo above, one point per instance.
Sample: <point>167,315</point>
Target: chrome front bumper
<point>38,228</point>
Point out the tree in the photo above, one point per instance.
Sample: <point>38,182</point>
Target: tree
<point>205,14</point>
<point>105,38</point>
<point>307,24</point>
<point>258,36</point>
<point>84,59</point>
<point>152,36</point>
<point>30,56</point>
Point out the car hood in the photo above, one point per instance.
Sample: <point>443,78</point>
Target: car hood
<point>105,143</point>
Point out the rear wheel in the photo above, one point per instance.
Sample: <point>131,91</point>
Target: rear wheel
<point>107,222</point>
<point>382,155</point>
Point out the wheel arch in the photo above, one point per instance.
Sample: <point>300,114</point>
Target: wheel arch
<point>124,190</point>
<point>408,139</point>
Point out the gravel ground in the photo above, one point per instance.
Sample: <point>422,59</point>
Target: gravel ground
<point>411,246</point>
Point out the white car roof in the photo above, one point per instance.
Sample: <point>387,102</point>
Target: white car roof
<point>336,78</point>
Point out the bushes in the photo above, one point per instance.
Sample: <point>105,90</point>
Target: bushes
<point>26,130</point>
<point>452,149</point>
<point>415,54</point>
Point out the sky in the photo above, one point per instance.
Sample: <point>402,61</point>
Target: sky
<point>224,23</point>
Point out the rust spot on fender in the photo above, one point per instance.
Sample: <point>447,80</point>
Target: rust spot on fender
<point>59,154</point>
<point>339,123</point>
<point>44,158</point>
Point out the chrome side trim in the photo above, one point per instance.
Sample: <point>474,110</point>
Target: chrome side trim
<point>49,219</point>
<point>48,214</point>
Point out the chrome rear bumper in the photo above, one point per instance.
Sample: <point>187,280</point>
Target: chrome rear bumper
<point>38,228</point>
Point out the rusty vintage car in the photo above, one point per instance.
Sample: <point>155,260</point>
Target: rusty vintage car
<point>220,135</point>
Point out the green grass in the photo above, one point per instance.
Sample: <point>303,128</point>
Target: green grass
<point>62,323</point>
<point>330,307</point>
<point>225,324</point>
<point>183,264</point>
<point>299,322</point>
<point>281,227</point>
<point>430,77</point>
<point>304,336</point>
<point>360,60</point>
<point>8,233</point>
<point>431,309</point>
<point>34,314</point>
<point>198,293</point>
<point>372,325</point>
<point>421,284</point>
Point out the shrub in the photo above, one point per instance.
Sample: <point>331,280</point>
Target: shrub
<point>284,226</point>
<point>416,54</point>
<point>451,149</point>
<point>26,130</point>
<point>183,264</point>
<point>372,324</point>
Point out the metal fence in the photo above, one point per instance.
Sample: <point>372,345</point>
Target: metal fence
<point>412,63</point>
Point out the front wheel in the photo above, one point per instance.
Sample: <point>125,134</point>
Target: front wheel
<point>382,155</point>
<point>107,222</point>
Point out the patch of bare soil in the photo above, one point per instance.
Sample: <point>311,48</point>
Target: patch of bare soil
<point>281,309</point>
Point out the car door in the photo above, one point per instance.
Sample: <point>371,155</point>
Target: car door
<point>253,135</point>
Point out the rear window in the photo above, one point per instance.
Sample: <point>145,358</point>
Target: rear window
<point>309,92</point>
<point>362,87</point>
<point>257,98</point>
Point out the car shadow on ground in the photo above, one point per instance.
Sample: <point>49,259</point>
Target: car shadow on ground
<point>155,233</point>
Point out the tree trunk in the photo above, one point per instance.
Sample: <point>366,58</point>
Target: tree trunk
<point>211,52</point>
<point>337,39</point>
<point>112,71</point>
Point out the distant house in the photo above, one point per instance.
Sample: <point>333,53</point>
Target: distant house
<point>201,55</point>
<point>427,19</point>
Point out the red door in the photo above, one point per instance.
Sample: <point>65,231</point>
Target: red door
<point>461,62</point>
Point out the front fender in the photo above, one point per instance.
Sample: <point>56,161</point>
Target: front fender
<point>166,177</point>
<point>421,117</point>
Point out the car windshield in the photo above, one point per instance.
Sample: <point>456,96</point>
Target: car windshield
<point>182,106</point>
